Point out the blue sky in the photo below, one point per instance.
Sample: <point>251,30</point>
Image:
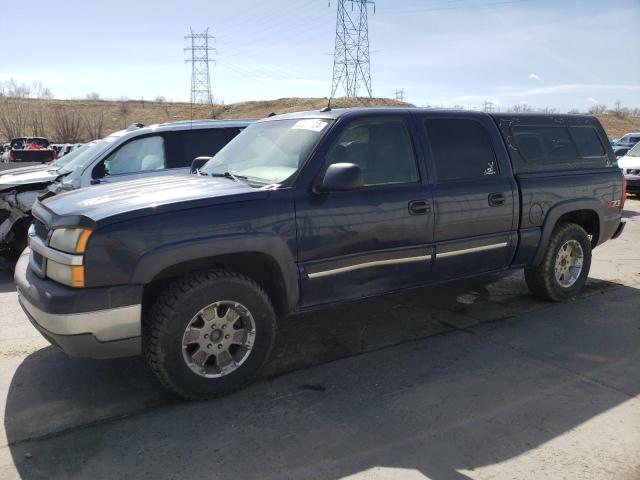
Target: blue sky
<point>563,54</point>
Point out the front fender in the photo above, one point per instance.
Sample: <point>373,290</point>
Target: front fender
<point>166,256</point>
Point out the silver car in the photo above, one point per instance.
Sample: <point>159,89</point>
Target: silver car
<point>129,154</point>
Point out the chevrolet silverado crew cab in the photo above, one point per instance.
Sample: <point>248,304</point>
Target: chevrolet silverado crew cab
<point>305,210</point>
<point>136,152</point>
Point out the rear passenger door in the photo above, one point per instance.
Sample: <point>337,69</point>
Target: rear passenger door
<point>474,196</point>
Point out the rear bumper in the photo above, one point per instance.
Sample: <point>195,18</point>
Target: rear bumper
<point>68,318</point>
<point>633,183</point>
<point>619,230</point>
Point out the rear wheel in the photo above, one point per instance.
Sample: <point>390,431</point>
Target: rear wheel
<point>565,266</point>
<point>209,334</point>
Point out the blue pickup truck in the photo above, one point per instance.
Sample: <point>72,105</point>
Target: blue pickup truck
<point>305,210</point>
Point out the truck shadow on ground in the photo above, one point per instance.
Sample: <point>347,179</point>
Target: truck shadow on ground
<point>429,404</point>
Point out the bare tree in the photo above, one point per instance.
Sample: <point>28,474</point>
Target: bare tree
<point>14,117</point>
<point>598,109</point>
<point>160,99</point>
<point>38,123</point>
<point>521,108</point>
<point>17,90</point>
<point>124,110</point>
<point>217,110</point>
<point>67,124</point>
<point>94,125</point>
<point>93,96</point>
<point>40,91</point>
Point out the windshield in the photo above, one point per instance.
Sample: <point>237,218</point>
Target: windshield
<point>85,154</point>
<point>635,151</point>
<point>268,152</point>
<point>62,161</point>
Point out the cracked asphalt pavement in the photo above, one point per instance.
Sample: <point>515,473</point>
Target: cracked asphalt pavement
<point>473,380</point>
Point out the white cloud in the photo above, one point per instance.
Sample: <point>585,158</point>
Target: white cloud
<point>533,76</point>
<point>591,100</point>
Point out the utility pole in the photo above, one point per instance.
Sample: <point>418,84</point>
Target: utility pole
<point>200,79</point>
<point>351,61</point>
<point>400,95</point>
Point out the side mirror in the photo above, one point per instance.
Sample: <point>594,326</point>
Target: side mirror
<point>198,163</point>
<point>342,177</point>
<point>99,171</point>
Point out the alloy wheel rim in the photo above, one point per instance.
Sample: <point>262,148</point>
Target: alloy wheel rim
<point>218,339</point>
<point>568,264</point>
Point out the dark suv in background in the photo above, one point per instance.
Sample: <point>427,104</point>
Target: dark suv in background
<point>306,210</point>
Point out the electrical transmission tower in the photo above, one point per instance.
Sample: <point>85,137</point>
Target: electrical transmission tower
<point>200,79</point>
<point>488,107</point>
<point>400,95</point>
<point>351,62</point>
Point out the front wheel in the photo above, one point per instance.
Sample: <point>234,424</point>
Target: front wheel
<point>208,334</point>
<point>565,266</point>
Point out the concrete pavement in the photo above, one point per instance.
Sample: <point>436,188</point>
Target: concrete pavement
<point>467,381</point>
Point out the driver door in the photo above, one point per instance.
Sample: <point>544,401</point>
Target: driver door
<point>375,239</point>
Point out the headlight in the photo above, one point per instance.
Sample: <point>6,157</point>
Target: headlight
<point>71,275</point>
<point>70,240</point>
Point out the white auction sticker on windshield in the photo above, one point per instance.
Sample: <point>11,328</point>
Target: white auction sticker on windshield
<point>312,124</point>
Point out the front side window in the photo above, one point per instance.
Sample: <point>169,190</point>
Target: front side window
<point>382,148</point>
<point>268,152</point>
<point>141,155</point>
<point>461,149</point>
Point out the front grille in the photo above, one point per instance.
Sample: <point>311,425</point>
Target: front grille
<point>633,171</point>
<point>41,229</point>
<point>38,260</point>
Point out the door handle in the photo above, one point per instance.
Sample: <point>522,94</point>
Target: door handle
<point>419,207</point>
<point>496,200</point>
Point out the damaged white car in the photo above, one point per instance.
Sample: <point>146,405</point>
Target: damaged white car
<point>125,155</point>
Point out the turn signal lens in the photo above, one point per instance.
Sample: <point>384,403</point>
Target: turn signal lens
<point>70,275</point>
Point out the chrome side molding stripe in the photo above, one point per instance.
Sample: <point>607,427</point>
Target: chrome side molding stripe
<point>465,251</point>
<point>377,263</point>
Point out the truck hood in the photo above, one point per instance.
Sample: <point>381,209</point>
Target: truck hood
<point>33,168</point>
<point>624,162</point>
<point>9,180</point>
<point>106,204</point>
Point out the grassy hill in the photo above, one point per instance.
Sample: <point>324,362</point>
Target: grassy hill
<point>81,120</point>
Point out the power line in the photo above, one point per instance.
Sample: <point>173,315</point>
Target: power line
<point>200,78</point>
<point>351,61</point>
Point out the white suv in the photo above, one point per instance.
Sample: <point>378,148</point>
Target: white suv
<point>630,165</point>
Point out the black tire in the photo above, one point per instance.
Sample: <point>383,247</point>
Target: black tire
<point>173,310</point>
<point>18,238</point>
<point>542,280</point>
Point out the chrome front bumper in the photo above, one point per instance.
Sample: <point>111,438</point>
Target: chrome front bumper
<point>96,323</point>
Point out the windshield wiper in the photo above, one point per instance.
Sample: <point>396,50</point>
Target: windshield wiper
<point>229,175</point>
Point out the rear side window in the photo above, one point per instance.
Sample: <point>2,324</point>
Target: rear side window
<point>545,144</point>
<point>199,143</point>
<point>461,149</point>
<point>587,141</point>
